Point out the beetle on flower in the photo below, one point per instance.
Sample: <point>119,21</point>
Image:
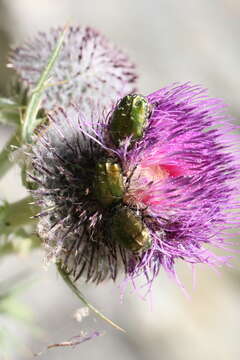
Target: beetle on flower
<point>153,182</point>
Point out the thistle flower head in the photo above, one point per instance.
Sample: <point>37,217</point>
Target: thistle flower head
<point>142,202</point>
<point>89,66</point>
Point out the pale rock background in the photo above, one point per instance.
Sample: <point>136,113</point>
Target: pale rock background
<point>169,40</point>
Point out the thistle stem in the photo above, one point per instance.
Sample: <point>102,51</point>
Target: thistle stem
<point>84,300</point>
<point>5,162</point>
<point>30,119</point>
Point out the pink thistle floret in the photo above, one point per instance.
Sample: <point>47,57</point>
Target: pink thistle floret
<point>184,178</point>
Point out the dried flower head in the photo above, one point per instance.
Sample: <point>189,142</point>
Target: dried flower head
<point>89,66</point>
<point>114,200</point>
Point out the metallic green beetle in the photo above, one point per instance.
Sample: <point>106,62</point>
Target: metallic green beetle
<point>129,118</point>
<point>129,230</point>
<point>108,187</point>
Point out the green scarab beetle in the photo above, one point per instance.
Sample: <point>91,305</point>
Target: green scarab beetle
<point>108,184</point>
<point>129,118</point>
<point>129,230</point>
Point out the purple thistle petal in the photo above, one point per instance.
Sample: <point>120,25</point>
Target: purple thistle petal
<point>187,178</point>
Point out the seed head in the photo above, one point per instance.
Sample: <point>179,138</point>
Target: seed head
<point>89,67</point>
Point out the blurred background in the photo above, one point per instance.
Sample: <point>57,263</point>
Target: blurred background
<point>169,40</point>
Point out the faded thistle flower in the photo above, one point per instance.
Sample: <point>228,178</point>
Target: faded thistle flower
<point>153,182</point>
<point>89,66</point>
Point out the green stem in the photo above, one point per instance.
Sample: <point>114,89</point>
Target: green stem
<point>5,162</point>
<point>36,98</point>
<point>84,300</point>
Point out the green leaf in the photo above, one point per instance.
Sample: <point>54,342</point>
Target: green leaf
<point>33,106</point>
<point>10,117</point>
<point>5,162</point>
<point>10,112</point>
<point>9,290</point>
<point>17,227</point>
<point>14,216</point>
<point>6,103</point>
<point>11,307</point>
<point>19,242</point>
<point>11,310</point>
